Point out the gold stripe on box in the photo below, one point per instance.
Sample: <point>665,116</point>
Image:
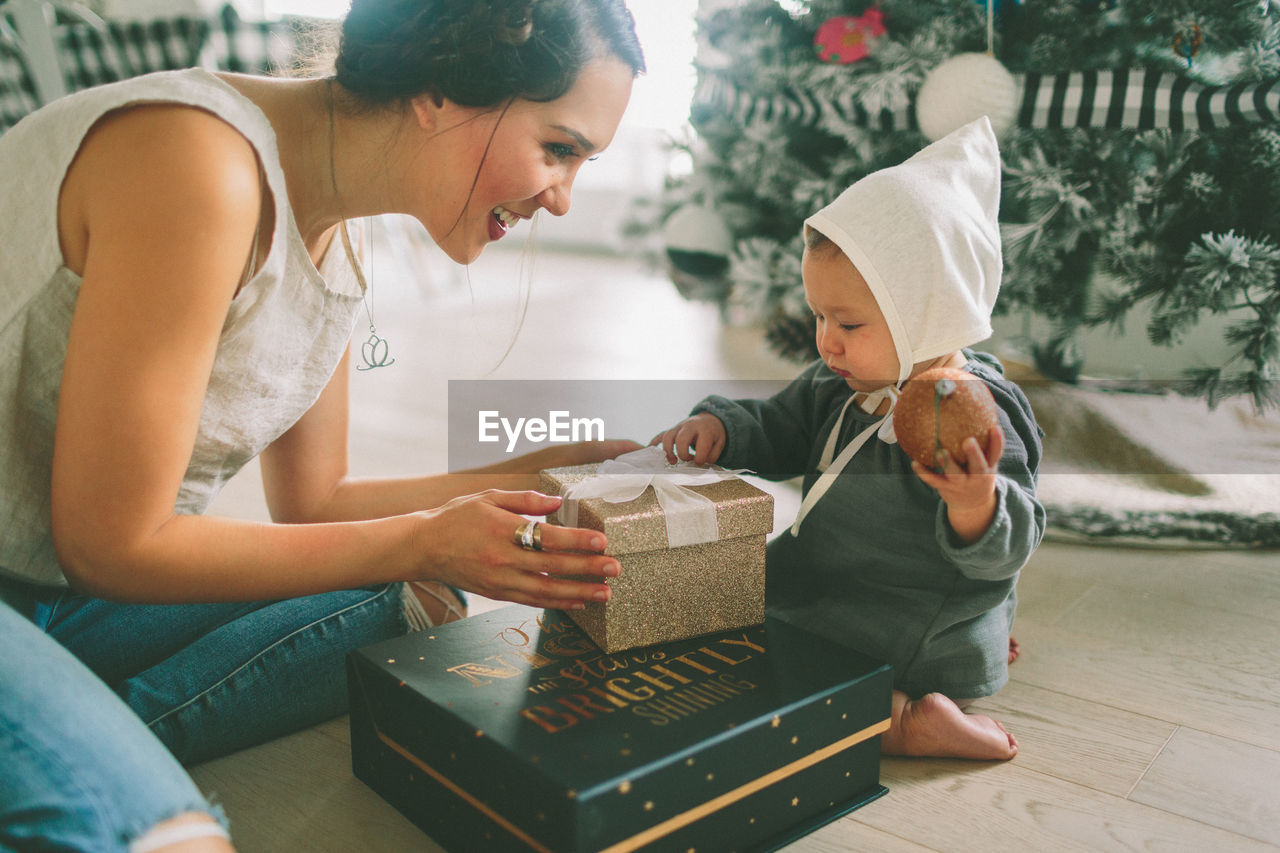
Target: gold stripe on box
<point>730,797</point>
<point>671,824</point>
<point>477,804</point>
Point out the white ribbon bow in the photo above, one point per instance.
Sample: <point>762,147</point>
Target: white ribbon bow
<point>690,517</point>
<point>872,401</point>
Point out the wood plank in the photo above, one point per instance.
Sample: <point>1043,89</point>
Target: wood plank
<point>1217,781</point>
<point>1188,692</point>
<point>847,834</point>
<point>1050,585</point>
<point>1161,624</point>
<point>339,728</point>
<point>298,793</point>
<point>1241,581</point>
<point>1093,745</point>
<point>980,806</point>
<point>1244,582</point>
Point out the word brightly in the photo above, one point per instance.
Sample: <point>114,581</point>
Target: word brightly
<point>661,693</point>
<point>558,427</point>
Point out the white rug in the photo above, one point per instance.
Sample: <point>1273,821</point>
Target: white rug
<point>1156,468</point>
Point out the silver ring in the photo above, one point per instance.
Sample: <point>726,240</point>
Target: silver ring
<point>529,536</point>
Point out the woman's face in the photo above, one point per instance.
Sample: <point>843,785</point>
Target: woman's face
<point>486,170</point>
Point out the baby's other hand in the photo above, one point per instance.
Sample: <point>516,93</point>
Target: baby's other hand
<point>699,438</point>
<point>969,491</point>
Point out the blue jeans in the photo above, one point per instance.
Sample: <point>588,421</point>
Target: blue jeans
<point>92,691</point>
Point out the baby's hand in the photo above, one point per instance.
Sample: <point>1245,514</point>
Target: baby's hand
<point>970,491</point>
<point>700,438</point>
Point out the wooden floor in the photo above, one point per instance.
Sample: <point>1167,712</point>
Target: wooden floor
<point>1146,700</point>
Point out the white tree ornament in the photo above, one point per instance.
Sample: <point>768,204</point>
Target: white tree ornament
<point>964,88</point>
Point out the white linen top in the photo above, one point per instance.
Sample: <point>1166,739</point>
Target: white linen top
<point>284,334</point>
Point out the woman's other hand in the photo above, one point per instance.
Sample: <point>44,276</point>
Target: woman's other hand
<point>580,453</point>
<point>470,543</point>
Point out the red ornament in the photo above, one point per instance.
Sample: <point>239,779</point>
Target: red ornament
<point>848,39</point>
<point>1187,44</point>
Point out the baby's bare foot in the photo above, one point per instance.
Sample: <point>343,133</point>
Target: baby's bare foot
<point>933,725</point>
<point>1015,649</point>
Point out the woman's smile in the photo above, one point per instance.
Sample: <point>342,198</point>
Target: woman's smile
<point>501,221</point>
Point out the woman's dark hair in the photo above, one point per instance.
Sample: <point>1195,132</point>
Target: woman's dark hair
<point>479,53</point>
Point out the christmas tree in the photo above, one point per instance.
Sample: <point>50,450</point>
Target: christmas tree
<point>1141,141</point>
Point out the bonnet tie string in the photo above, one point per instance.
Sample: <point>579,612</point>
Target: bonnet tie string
<point>831,468</point>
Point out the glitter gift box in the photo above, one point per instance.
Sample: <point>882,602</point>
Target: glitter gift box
<point>511,730</point>
<point>666,591</point>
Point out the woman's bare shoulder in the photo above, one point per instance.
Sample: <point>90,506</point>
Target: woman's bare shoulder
<point>157,163</point>
<point>154,141</point>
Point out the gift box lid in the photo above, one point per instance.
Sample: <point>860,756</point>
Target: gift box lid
<point>568,748</point>
<point>639,525</point>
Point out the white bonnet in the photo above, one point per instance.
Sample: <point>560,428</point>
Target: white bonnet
<point>925,235</point>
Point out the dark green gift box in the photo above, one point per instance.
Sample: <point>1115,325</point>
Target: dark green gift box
<point>511,730</point>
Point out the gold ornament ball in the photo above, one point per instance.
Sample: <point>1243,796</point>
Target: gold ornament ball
<point>926,417</point>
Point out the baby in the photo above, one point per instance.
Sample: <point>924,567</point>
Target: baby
<point>909,565</point>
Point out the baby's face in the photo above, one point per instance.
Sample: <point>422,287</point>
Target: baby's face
<point>853,337</point>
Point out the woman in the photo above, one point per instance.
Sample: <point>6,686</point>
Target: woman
<point>178,295</point>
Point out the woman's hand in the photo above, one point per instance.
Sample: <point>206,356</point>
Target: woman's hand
<point>700,438</point>
<point>470,543</point>
<point>969,491</point>
<point>581,453</point>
